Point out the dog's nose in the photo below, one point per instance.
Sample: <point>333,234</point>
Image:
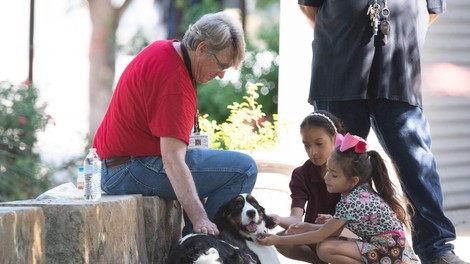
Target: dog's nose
<point>251,213</point>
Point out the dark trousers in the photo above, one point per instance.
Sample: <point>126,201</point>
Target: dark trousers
<point>403,132</point>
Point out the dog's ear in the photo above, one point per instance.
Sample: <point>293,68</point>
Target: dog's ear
<point>221,215</point>
<point>269,222</point>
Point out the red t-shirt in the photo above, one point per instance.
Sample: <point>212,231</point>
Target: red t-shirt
<point>154,98</point>
<point>308,186</point>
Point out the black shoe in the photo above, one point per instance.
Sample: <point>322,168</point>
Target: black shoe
<point>448,258</point>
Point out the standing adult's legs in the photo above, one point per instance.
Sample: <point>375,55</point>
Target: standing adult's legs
<point>355,115</point>
<point>404,133</point>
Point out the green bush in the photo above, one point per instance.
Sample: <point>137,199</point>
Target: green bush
<point>21,174</point>
<point>260,64</point>
<point>246,128</point>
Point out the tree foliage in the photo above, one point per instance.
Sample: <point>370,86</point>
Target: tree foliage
<point>260,65</point>
<point>246,128</point>
<point>21,173</point>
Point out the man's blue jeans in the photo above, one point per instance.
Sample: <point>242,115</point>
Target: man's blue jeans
<point>219,175</point>
<point>403,132</point>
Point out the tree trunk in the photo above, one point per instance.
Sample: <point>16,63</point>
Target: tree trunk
<point>105,20</point>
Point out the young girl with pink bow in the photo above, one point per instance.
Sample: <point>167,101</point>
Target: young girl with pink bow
<point>310,200</point>
<point>375,215</point>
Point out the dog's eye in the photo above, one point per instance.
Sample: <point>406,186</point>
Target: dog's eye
<point>239,206</point>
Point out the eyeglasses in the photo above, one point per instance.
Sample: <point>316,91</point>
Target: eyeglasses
<point>222,66</point>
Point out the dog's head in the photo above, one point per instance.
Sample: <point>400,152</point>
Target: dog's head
<point>244,215</point>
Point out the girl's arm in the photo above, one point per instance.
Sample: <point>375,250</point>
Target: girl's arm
<point>323,218</point>
<point>296,215</point>
<point>332,228</point>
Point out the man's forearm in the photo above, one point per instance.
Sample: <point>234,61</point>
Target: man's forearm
<point>173,156</point>
<point>310,12</point>
<point>185,190</point>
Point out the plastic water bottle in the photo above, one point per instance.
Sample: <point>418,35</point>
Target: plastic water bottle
<point>92,169</point>
<point>80,178</point>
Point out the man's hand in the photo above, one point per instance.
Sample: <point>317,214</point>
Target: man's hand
<point>205,226</point>
<point>173,155</point>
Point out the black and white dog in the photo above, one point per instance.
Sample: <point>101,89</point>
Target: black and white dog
<point>240,221</point>
<point>207,249</point>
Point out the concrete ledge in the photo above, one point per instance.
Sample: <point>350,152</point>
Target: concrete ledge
<point>111,230</point>
<point>21,235</point>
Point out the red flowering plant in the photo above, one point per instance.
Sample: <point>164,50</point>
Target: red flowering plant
<point>21,175</point>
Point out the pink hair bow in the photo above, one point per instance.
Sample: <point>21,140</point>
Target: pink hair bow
<point>348,141</point>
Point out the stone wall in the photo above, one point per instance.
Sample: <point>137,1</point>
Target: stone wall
<point>115,229</point>
<point>162,221</point>
<point>21,235</point>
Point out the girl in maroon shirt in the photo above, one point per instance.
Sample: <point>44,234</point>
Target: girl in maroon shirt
<point>308,190</point>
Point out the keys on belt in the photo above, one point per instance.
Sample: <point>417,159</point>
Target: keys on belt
<point>379,19</point>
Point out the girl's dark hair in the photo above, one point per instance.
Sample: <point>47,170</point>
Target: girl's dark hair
<point>370,168</point>
<point>321,118</point>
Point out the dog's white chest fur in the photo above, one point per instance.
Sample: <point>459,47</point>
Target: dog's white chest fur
<point>266,254</point>
<point>211,256</point>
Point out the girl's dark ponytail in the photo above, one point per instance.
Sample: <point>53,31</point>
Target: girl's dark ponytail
<point>386,189</point>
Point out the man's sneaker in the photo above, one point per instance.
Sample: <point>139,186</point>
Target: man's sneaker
<point>449,258</point>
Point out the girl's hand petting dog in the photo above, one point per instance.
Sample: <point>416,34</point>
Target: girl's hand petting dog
<point>268,239</point>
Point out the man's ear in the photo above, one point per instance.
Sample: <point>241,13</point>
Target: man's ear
<point>202,48</point>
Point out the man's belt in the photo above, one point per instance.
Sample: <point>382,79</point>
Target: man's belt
<point>116,161</point>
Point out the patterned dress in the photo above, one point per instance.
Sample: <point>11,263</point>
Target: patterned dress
<point>382,238</point>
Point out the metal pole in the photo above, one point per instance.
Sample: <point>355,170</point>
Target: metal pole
<point>31,41</point>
